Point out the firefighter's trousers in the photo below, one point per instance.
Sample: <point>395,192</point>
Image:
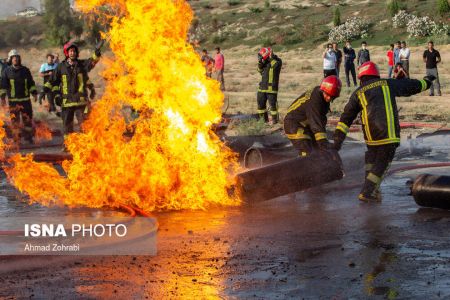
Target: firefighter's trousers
<point>300,136</point>
<point>22,110</point>
<point>378,160</point>
<point>262,99</point>
<point>68,115</point>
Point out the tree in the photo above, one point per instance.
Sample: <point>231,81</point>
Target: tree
<point>60,23</point>
<point>443,7</point>
<point>393,7</point>
<point>337,17</point>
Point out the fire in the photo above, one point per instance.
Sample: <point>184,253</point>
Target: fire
<point>42,132</point>
<point>173,160</point>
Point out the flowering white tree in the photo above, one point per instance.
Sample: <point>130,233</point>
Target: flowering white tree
<point>353,28</point>
<point>419,26</point>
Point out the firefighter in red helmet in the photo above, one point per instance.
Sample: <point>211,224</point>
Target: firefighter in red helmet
<point>269,66</point>
<point>375,101</point>
<point>306,118</point>
<point>70,82</point>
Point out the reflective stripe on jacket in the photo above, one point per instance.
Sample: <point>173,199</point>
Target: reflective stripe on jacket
<point>310,111</point>
<point>270,75</point>
<point>376,101</point>
<point>18,84</point>
<point>71,81</point>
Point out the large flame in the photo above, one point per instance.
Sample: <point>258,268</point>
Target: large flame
<point>172,160</point>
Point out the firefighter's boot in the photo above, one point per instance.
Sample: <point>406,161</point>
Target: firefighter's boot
<point>264,116</point>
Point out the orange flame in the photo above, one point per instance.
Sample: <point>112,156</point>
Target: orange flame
<point>172,160</point>
<point>42,132</point>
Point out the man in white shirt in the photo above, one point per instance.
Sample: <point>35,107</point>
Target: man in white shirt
<point>329,62</point>
<point>404,56</point>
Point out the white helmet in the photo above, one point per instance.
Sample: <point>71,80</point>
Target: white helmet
<point>12,53</point>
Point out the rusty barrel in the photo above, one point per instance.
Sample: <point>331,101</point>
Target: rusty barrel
<point>432,191</point>
<point>289,176</point>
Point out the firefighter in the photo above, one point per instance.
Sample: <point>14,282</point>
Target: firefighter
<point>306,118</point>
<point>71,82</point>
<point>375,101</point>
<point>269,65</point>
<point>18,84</point>
<point>3,65</point>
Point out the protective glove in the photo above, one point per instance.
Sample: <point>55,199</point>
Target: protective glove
<point>58,99</point>
<point>339,138</point>
<point>92,95</point>
<point>324,145</point>
<point>430,78</point>
<point>98,48</point>
<point>98,52</point>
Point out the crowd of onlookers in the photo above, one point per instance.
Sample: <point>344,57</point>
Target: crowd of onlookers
<point>398,60</point>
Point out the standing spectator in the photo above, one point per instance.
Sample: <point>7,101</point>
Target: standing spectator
<point>397,52</point>
<point>400,72</point>
<point>208,62</point>
<point>3,66</point>
<point>349,63</point>
<point>404,56</point>
<point>18,84</point>
<point>390,56</point>
<point>338,58</point>
<point>46,72</point>
<point>56,58</point>
<point>431,58</point>
<point>363,54</point>
<point>329,62</point>
<point>219,67</point>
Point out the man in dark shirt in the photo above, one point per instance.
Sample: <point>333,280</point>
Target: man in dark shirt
<point>363,54</point>
<point>431,58</point>
<point>338,58</point>
<point>349,65</point>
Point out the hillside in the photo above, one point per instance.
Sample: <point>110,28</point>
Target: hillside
<point>288,24</point>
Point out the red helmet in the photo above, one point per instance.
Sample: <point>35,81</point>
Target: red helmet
<point>331,85</point>
<point>368,69</point>
<point>69,45</point>
<point>265,53</point>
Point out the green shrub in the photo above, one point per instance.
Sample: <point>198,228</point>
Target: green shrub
<point>337,17</point>
<point>234,2</point>
<point>255,10</point>
<point>443,7</point>
<point>394,6</point>
<point>251,127</point>
<point>217,39</point>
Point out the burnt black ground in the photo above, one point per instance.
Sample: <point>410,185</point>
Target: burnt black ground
<point>319,244</point>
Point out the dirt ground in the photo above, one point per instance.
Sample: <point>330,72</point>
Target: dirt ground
<point>302,69</point>
<point>318,244</point>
